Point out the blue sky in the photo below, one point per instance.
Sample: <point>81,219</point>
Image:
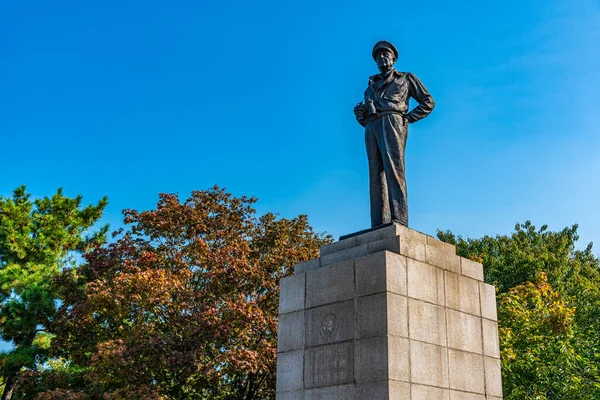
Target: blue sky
<point>129,99</point>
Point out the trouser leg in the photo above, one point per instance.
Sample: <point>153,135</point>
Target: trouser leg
<point>391,139</point>
<point>378,189</point>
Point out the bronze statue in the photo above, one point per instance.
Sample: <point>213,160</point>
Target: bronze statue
<point>385,116</point>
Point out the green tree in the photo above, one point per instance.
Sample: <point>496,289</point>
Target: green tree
<point>183,305</point>
<point>546,353</point>
<point>38,238</point>
<point>541,353</point>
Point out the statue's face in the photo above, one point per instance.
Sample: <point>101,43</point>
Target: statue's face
<point>385,60</point>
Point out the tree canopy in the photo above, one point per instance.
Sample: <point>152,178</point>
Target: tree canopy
<point>548,309</point>
<point>38,238</point>
<point>183,303</point>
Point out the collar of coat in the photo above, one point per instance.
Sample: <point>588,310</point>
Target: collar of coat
<point>378,77</point>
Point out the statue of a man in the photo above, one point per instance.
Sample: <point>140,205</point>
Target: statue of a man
<point>385,116</point>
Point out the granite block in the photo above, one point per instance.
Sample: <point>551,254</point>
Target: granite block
<point>491,345</point>
<point>466,371</point>
<point>471,269</point>
<point>425,282</point>
<point>371,359</point>
<point>291,331</point>
<point>329,365</point>
<point>398,358</point>
<point>428,364</point>
<point>390,244</point>
<point>330,284</point>
<point>462,293</point>
<point>464,331</point>
<point>456,395</point>
<point>289,370</point>
<point>380,272</point>
<point>291,295</point>
<point>294,395</point>
<point>307,266</point>
<point>420,392</point>
<point>344,255</point>
<point>371,315</point>
<point>340,392</point>
<point>330,323</point>
<point>337,246</point>
<point>493,376</point>
<point>427,322</point>
<point>488,301</point>
<point>442,258</point>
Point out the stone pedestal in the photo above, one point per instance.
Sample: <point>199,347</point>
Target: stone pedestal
<point>388,314</point>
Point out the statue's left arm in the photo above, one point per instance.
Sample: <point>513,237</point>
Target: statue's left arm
<point>417,91</point>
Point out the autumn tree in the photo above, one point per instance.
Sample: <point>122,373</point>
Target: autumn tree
<point>38,238</point>
<point>183,304</point>
<point>548,310</point>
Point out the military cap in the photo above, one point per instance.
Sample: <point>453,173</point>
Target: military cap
<point>382,44</point>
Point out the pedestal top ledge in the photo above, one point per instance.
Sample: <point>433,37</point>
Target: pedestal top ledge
<point>397,239</point>
<point>383,232</point>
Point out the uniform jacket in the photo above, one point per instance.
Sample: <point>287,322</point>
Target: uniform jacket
<point>392,93</point>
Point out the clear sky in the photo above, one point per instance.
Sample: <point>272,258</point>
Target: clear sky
<point>131,98</point>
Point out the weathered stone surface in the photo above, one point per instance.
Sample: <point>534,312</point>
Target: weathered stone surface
<point>341,392</point>
<point>371,359</point>
<point>382,357</point>
<point>491,345</point>
<point>390,244</point>
<point>466,371</point>
<point>329,365</point>
<point>429,393</point>
<point>330,284</point>
<point>295,395</point>
<point>378,234</point>
<point>493,376</point>
<point>427,322</point>
<point>428,364</point>
<point>330,323</point>
<point>425,282</point>
<point>456,395</point>
<point>348,254</point>
<point>289,370</point>
<point>488,301</point>
<point>412,243</point>
<point>307,266</point>
<point>442,246</point>
<point>291,295</point>
<point>372,390</point>
<point>335,247</point>
<point>383,390</point>
<point>442,258</point>
<point>464,331</point>
<point>397,315</point>
<point>379,272</point>
<point>462,293</point>
<point>291,331</point>
<point>471,269</point>
<point>371,315</point>
<point>381,314</point>
<point>387,325</point>
<point>398,358</point>
<point>397,391</point>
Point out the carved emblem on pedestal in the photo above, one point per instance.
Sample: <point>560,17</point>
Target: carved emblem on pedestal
<point>329,326</point>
